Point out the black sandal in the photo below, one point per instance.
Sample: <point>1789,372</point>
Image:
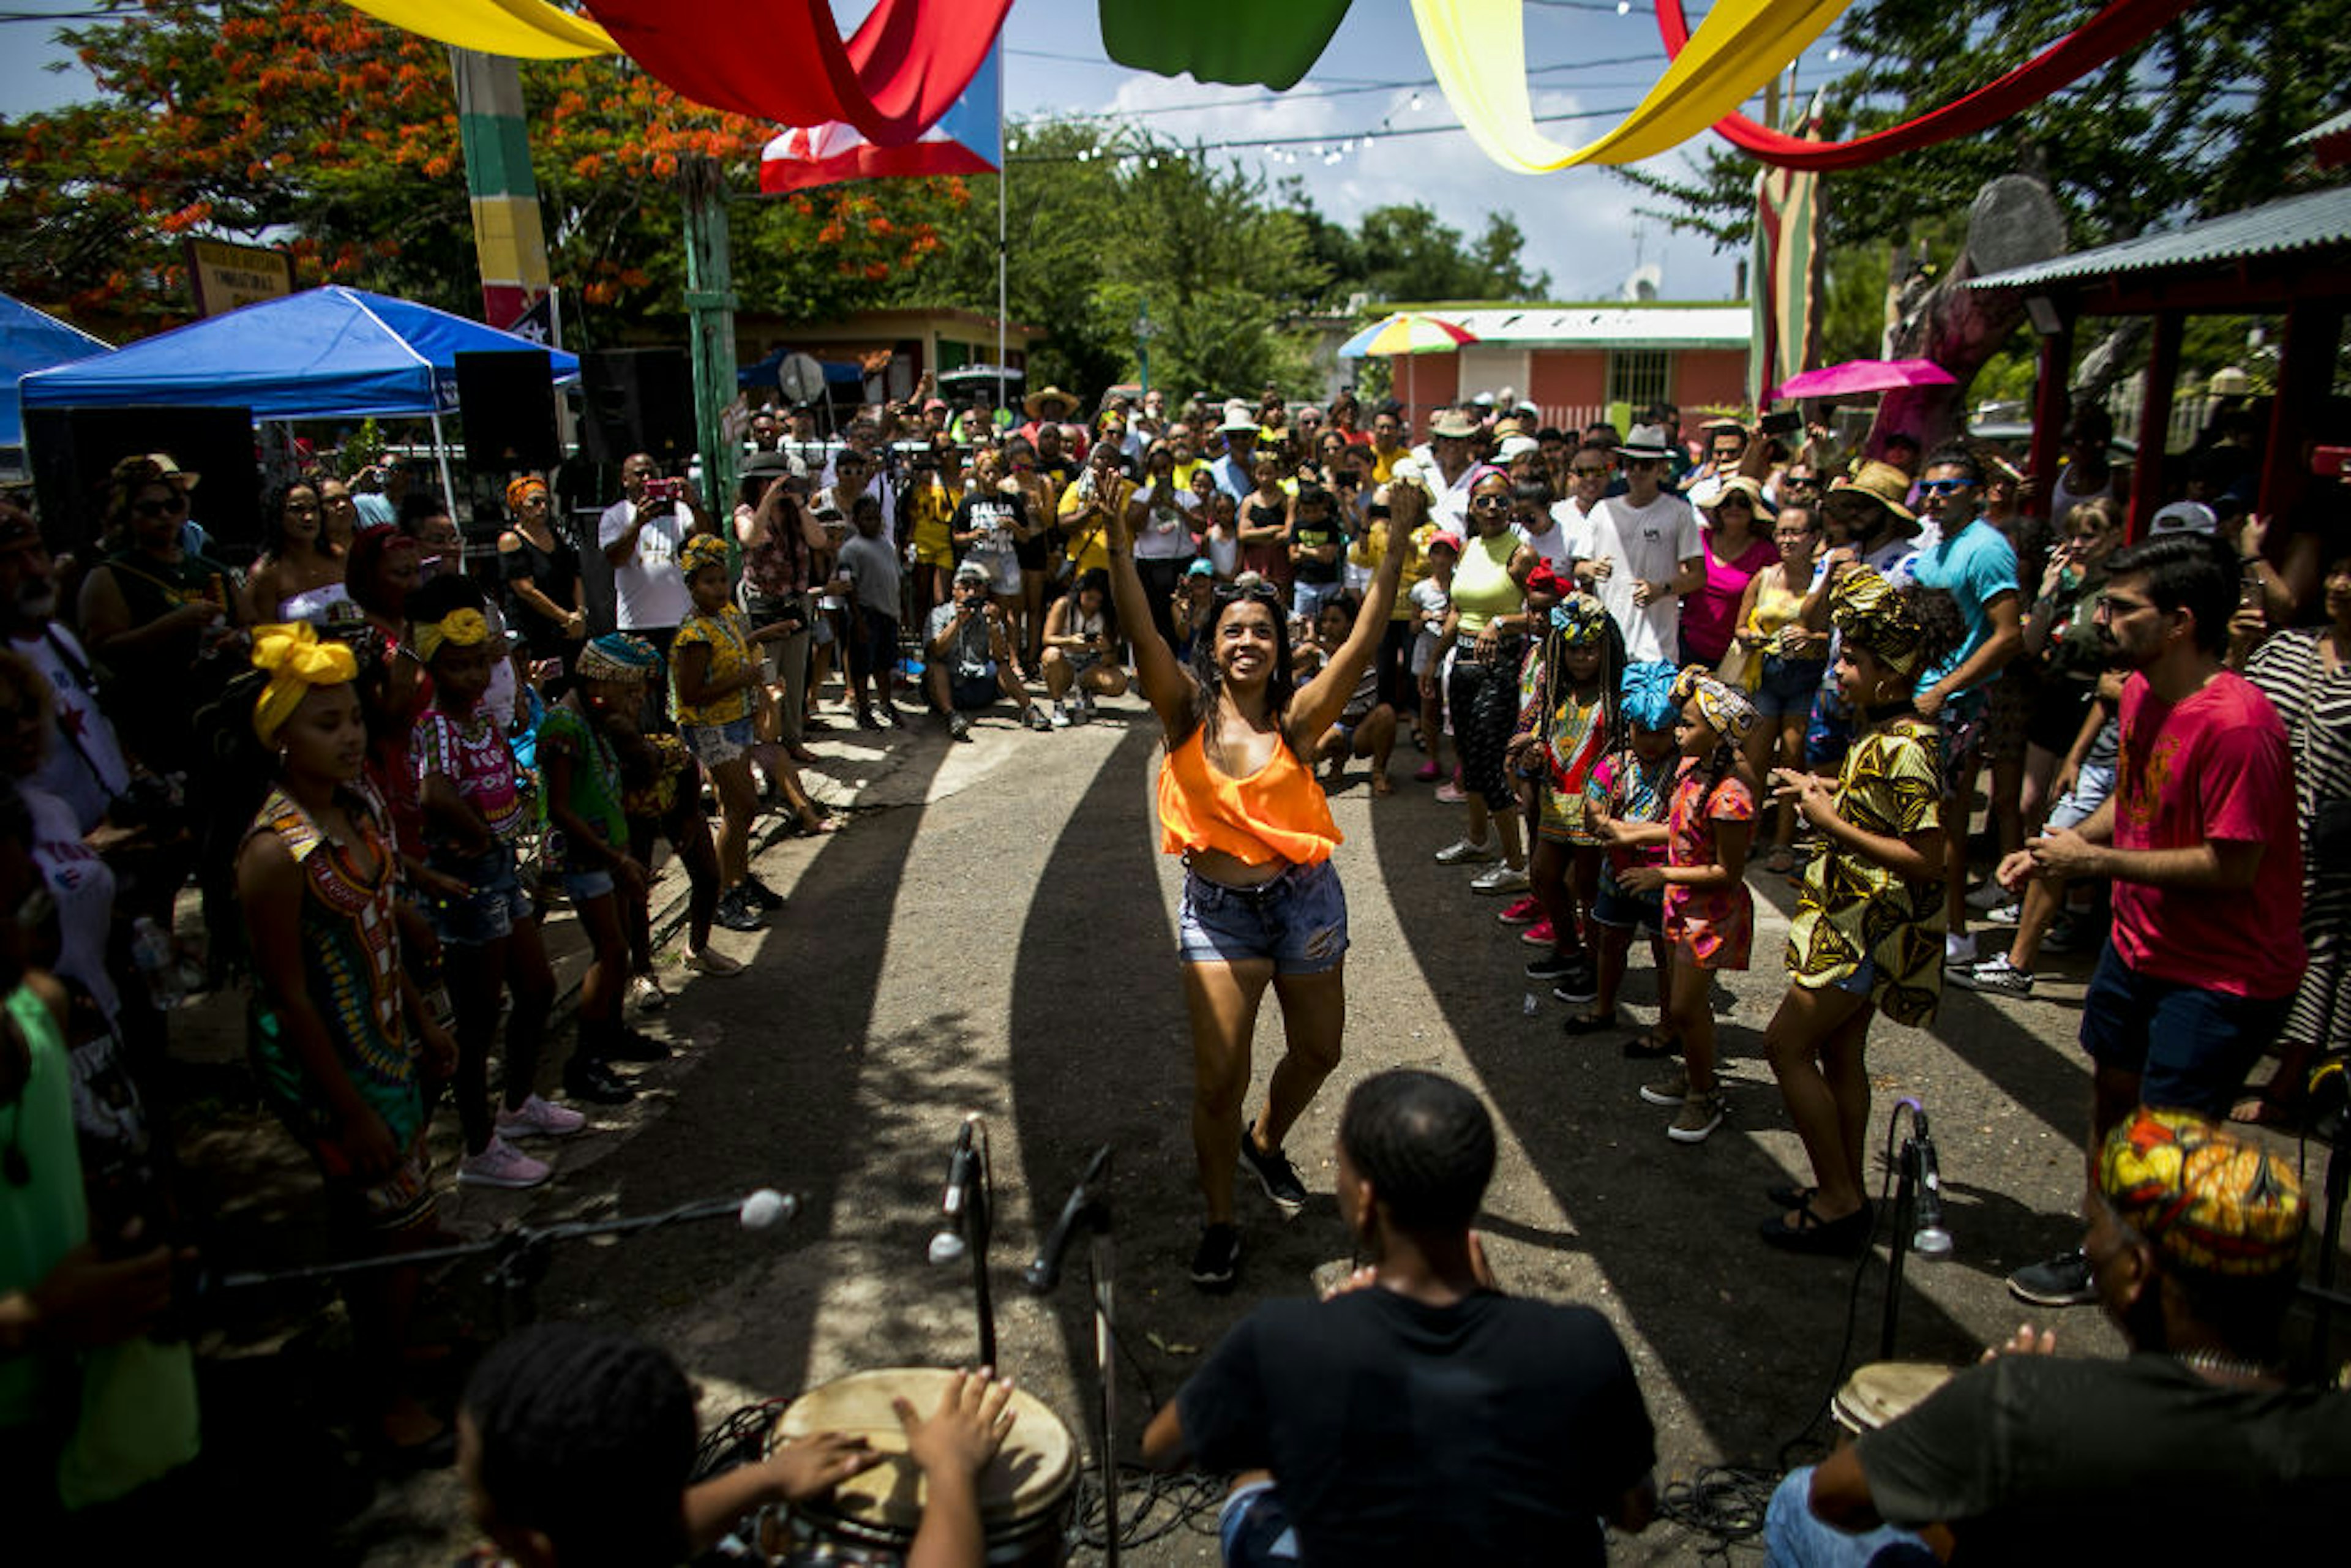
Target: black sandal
<point>1842,1238</point>
<point>1649,1048</point>
<point>1788,1194</point>
<point>1587,1023</point>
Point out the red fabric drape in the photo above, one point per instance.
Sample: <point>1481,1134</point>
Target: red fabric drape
<point>785,60</point>
<point>2122,26</point>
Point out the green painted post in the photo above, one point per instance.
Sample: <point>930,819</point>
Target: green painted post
<point>710,317</point>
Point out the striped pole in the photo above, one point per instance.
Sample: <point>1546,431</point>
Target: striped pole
<point>507,239</point>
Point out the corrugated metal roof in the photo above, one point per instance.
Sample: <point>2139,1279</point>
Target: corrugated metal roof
<point>2318,219</point>
<point>1609,326</point>
<point>2322,130</point>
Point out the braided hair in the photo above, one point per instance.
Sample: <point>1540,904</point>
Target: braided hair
<point>1425,1145</point>
<point>1613,661</point>
<point>588,1436</point>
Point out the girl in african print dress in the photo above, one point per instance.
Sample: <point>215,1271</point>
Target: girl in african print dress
<point>1868,932</point>
<point>1709,916</point>
<point>341,1043</point>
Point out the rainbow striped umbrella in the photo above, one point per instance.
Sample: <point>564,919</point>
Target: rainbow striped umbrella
<point>1406,332</point>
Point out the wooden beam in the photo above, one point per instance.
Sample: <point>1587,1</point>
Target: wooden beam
<point>2053,407</point>
<point>2154,422</point>
<point>2313,331</point>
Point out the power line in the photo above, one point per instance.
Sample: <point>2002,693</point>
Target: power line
<point>1336,143</point>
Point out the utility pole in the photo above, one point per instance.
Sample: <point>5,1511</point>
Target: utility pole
<point>710,317</point>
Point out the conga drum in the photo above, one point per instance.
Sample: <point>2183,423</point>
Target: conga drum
<point>1026,1493</point>
<point>1882,1391</point>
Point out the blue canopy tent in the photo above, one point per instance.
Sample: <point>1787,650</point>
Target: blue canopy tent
<point>324,353</point>
<point>32,341</point>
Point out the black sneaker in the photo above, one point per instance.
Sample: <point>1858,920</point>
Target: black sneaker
<point>1274,1174</point>
<point>1218,1258</point>
<point>636,1045</point>
<point>736,912</point>
<point>1578,981</point>
<point>2061,1281</point>
<point>760,894</point>
<point>590,1079</point>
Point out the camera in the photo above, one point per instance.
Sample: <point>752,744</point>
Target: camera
<point>664,490</point>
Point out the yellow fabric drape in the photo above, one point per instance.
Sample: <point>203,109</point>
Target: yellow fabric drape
<point>1478,49</point>
<point>523,30</point>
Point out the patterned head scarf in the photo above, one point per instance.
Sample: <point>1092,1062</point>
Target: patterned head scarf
<point>296,661</point>
<point>700,552</point>
<point>465,628</point>
<point>522,489</point>
<point>1650,695</point>
<point>2205,1198</point>
<point>1729,712</point>
<point>617,656</point>
<point>1872,614</point>
<point>1581,619</point>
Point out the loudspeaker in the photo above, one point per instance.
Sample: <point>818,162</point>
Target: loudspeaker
<point>636,400</point>
<point>73,450</point>
<point>508,402</point>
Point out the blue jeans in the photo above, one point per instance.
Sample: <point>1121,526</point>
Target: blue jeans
<point>1792,1538</point>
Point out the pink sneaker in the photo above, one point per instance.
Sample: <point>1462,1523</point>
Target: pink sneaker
<point>503,1164</point>
<point>537,1119</point>
<point>1452,793</point>
<point>1525,912</point>
<point>1540,934</point>
<point>1426,774</point>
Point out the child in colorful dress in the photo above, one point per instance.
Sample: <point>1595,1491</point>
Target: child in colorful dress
<point>1625,812</point>
<point>1709,916</point>
<point>1868,933</point>
<point>1563,732</point>
<point>474,815</point>
<point>318,879</point>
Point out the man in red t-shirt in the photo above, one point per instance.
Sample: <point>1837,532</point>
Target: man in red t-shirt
<point>2201,840</point>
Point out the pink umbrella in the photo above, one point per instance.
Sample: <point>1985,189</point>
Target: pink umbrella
<point>1861,376</point>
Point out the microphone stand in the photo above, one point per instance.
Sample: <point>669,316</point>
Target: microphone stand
<point>1906,1166</point>
<point>979,1221</point>
<point>1089,1206</point>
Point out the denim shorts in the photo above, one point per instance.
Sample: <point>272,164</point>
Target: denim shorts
<point>1307,598</point>
<point>1614,908</point>
<point>716,744</point>
<point>1788,685</point>
<point>488,913</point>
<point>1299,920</point>
<point>2191,1047</point>
<point>579,886</point>
<point>2076,806</point>
<point>1253,1528</point>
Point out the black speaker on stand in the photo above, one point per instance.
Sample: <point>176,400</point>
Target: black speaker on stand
<point>73,451</point>
<point>508,402</point>
<point>637,400</point>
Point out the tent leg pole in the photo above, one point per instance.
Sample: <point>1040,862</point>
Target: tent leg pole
<point>441,456</point>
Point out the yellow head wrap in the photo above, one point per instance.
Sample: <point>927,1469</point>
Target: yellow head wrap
<point>296,661</point>
<point>1872,614</point>
<point>2205,1198</point>
<point>465,628</point>
<point>1726,712</point>
<point>700,551</point>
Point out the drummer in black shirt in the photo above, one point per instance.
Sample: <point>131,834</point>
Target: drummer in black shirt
<point>1417,1415</point>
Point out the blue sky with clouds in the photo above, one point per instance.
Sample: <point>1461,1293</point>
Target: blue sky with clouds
<point>1583,59</point>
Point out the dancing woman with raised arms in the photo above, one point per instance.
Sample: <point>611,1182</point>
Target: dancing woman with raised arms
<point>1262,904</point>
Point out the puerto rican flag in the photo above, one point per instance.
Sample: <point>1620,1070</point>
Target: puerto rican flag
<point>967,140</point>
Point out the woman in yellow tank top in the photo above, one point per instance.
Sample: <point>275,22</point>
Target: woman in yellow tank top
<point>1262,904</point>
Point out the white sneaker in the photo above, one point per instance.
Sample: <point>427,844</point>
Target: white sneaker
<point>1989,895</point>
<point>2010,914</point>
<point>1958,951</point>
<point>1062,714</point>
<point>1461,852</point>
<point>646,994</point>
<point>537,1119</point>
<point>1499,879</point>
<point>503,1164</point>
<point>711,961</point>
<point>1996,977</point>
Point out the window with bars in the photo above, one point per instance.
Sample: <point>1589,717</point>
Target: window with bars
<point>1639,376</point>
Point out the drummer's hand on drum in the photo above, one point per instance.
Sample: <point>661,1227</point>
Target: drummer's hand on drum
<point>810,1467</point>
<point>964,1433</point>
<point>2026,1343</point>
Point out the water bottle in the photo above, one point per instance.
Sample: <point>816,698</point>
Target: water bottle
<point>157,962</point>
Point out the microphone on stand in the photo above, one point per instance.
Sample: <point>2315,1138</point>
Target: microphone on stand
<point>1044,1272</point>
<point>1931,1241</point>
<point>948,1245</point>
